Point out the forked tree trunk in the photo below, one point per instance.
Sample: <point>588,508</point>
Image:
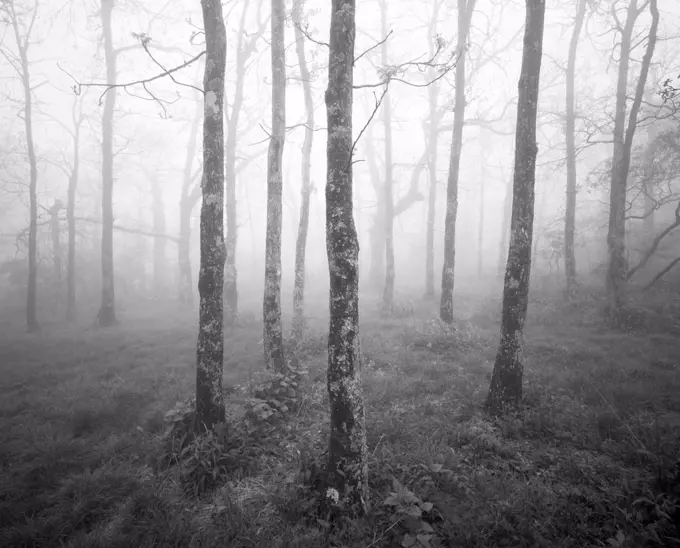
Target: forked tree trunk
<point>301,243</point>
<point>623,144</point>
<point>570,212</point>
<point>465,9</point>
<point>506,380</point>
<point>210,345</point>
<point>107,312</point>
<point>271,306</point>
<point>188,198</point>
<point>388,290</point>
<point>347,451</point>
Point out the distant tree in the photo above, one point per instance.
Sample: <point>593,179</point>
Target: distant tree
<point>107,310</point>
<point>347,451</point>
<point>210,345</point>
<point>465,10</point>
<point>301,242</point>
<point>271,305</point>
<point>21,20</point>
<point>623,144</point>
<point>506,380</point>
<point>570,210</point>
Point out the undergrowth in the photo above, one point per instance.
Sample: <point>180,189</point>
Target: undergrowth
<point>99,448</point>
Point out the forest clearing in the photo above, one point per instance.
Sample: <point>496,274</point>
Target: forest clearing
<point>589,459</point>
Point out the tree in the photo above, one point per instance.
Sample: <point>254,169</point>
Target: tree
<point>388,292</point>
<point>347,451</point>
<point>570,211</point>
<point>271,305</point>
<point>506,379</point>
<point>210,345</point>
<point>301,242</point>
<point>107,310</point>
<point>22,23</point>
<point>465,9</point>
<point>623,143</point>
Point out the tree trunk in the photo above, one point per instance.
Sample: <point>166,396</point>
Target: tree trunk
<point>187,201</point>
<point>570,212</point>
<point>506,380</point>
<point>301,243</point>
<point>55,233</point>
<point>271,306</point>
<point>107,313</point>
<point>347,451</point>
<point>505,228</point>
<point>388,291</point>
<point>465,9</point>
<point>22,47</point>
<point>210,345</point>
<point>71,308</point>
<point>623,143</point>
<point>159,244</point>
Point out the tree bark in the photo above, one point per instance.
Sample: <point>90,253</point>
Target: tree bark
<point>623,143</point>
<point>271,306</point>
<point>347,451</point>
<point>301,243</point>
<point>570,211</point>
<point>210,345</point>
<point>187,201</point>
<point>107,312</point>
<point>388,291</point>
<point>506,380</point>
<point>465,9</point>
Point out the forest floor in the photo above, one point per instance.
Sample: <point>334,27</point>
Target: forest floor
<point>591,458</point>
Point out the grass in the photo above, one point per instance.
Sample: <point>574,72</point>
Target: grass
<point>590,459</point>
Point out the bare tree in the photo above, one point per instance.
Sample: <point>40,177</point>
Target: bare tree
<point>301,242</point>
<point>506,380</point>
<point>210,345</point>
<point>22,22</point>
<point>271,305</point>
<point>347,451</point>
<point>465,9</point>
<point>570,211</point>
<point>388,291</point>
<point>623,143</point>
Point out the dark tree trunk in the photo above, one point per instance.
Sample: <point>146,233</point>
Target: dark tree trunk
<point>347,451</point>
<point>623,144</point>
<point>301,243</point>
<point>570,212</point>
<point>107,312</point>
<point>210,346</point>
<point>506,380</point>
<point>187,201</point>
<point>388,291</point>
<point>465,9</point>
<point>271,306</point>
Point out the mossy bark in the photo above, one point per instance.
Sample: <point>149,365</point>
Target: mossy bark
<point>271,305</point>
<point>347,464</point>
<point>210,345</point>
<point>506,380</point>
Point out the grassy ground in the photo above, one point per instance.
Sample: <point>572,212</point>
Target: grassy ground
<point>588,460</point>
